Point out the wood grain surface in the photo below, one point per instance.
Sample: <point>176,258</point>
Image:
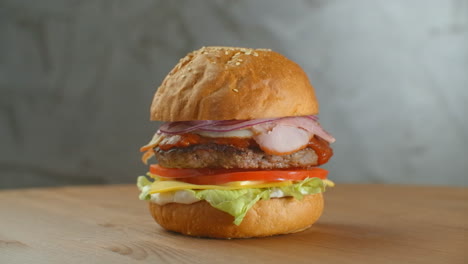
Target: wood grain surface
<point>361,224</point>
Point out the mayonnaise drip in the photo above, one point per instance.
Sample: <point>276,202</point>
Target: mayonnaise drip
<point>187,197</point>
<point>181,196</point>
<point>242,133</point>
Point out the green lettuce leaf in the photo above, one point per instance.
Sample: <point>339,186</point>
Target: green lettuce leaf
<point>144,185</point>
<point>233,202</point>
<point>238,202</point>
<point>305,187</point>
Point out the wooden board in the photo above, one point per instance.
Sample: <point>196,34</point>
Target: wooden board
<point>361,224</point>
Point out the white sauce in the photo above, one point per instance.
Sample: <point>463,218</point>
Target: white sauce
<point>242,133</point>
<point>276,193</point>
<point>186,197</point>
<point>182,196</point>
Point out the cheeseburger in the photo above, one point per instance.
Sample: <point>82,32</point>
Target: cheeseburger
<point>240,147</point>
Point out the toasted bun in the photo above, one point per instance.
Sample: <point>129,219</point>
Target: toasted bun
<point>223,83</point>
<point>266,218</point>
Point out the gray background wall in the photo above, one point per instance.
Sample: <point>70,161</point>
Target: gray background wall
<point>77,77</point>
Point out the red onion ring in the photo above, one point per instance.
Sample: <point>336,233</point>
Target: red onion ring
<point>313,117</point>
<point>175,128</point>
<point>182,127</point>
<point>230,127</point>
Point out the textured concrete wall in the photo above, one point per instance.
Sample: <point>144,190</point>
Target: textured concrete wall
<point>77,77</point>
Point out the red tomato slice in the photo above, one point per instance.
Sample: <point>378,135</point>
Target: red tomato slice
<point>221,176</point>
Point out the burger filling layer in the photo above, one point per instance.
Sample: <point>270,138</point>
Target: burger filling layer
<point>235,198</point>
<point>215,155</point>
<point>232,164</point>
<point>188,197</point>
<point>265,138</point>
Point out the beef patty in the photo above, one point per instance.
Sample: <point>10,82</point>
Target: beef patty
<point>224,156</point>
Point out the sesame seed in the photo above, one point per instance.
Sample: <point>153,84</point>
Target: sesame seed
<point>183,76</point>
<point>235,90</point>
<point>255,54</point>
<point>240,60</point>
<point>226,52</point>
<point>237,63</point>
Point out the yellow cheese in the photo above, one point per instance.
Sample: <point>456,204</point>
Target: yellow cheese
<point>161,185</point>
<point>168,186</point>
<point>329,183</point>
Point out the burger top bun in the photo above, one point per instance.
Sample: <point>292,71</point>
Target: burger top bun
<point>223,83</point>
<point>266,218</point>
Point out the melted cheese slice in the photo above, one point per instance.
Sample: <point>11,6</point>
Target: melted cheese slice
<point>328,183</point>
<point>167,186</point>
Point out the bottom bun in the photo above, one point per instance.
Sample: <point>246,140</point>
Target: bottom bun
<point>266,218</point>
